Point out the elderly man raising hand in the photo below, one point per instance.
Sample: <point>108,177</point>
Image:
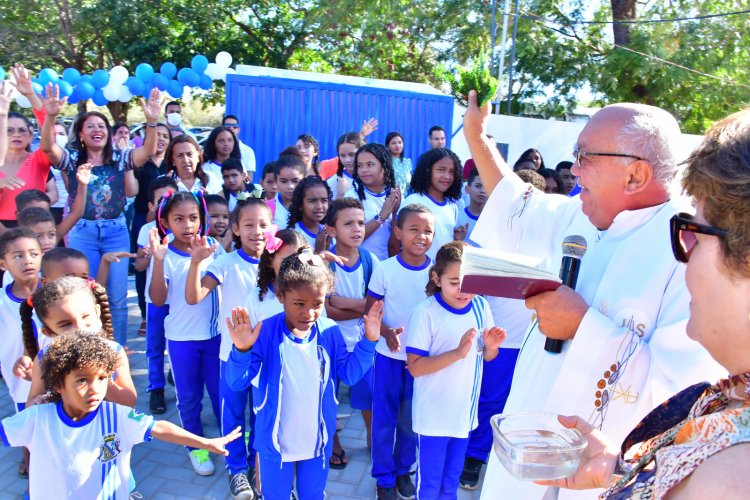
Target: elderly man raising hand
<point>625,347</point>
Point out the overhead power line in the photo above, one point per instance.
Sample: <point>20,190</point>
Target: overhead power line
<point>640,21</point>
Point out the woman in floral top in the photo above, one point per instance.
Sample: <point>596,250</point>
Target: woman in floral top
<point>696,444</point>
<point>103,228</point>
<point>402,167</point>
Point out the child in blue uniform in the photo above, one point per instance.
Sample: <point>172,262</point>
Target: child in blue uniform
<point>293,361</point>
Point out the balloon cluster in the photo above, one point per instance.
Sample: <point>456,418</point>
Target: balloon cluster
<point>117,84</point>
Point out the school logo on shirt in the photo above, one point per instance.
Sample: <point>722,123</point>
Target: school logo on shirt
<point>110,448</point>
<point>136,415</point>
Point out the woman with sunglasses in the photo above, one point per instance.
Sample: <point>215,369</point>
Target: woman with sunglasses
<point>698,442</point>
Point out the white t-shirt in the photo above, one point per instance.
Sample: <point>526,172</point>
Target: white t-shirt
<point>345,182</point>
<point>401,287</point>
<point>7,279</point>
<point>237,275</point>
<point>300,376</point>
<point>213,168</point>
<point>377,242</point>
<point>310,237</point>
<point>89,458</point>
<point>11,342</point>
<point>281,216</point>
<point>445,402</point>
<point>247,158</point>
<point>466,217</point>
<point>350,283</point>
<point>260,310</point>
<point>143,241</point>
<point>215,183</point>
<point>61,190</point>
<point>186,322</point>
<point>446,216</point>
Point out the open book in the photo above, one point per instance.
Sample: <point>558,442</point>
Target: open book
<point>501,274</point>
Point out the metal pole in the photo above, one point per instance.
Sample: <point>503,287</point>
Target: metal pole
<point>512,57</point>
<point>492,33</point>
<point>501,66</point>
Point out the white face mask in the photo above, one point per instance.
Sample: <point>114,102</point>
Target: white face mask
<point>61,141</point>
<point>174,119</point>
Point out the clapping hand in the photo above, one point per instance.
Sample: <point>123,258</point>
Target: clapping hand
<point>242,331</point>
<point>12,182</point>
<point>199,248</point>
<point>158,248</point>
<point>466,342</point>
<point>83,174</point>
<point>391,336</point>
<point>459,232</point>
<point>494,337</point>
<point>373,319</point>
<point>22,368</point>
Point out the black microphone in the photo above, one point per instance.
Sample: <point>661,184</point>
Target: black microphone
<point>573,248</point>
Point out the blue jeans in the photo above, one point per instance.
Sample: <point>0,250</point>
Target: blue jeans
<point>95,238</point>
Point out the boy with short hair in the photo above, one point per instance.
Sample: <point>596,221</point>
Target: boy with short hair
<point>268,180</point>
<point>235,181</point>
<point>400,283</point>
<point>31,198</point>
<point>63,261</point>
<point>218,216</point>
<point>467,218</point>
<point>81,443</point>
<point>345,222</point>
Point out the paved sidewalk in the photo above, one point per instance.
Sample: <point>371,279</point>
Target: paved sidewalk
<point>162,470</point>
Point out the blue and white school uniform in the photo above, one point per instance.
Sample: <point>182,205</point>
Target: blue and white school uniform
<point>309,236</point>
<point>11,344</point>
<point>88,458</point>
<point>446,218</point>
<point>377,242</point>
<point>445,402</point>
<point>352,282</point>
<point>215,184</point>
<point>345,181</point>
<point>401,287</point>
<point>294,383</point>
<point>155,341</point>
<point>212,167</point>
<point>466,217</point>
<point>193,341</point>
<point>281,214</point>
<point>236,273</point>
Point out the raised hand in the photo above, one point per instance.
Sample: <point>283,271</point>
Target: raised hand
<point>122,143</point>
<point>392,339</point>
<point>218,445</point>
<point>52,103</point>
<point>199,248</point>
<point>368,127</point>
<point>466,343</point>
<point>475,118</point>
<point>459,232</point>
<point>22,368</point>
<point>5,90</point>
<point>116,256</point>
<point>373,319</point>
<point>83,174</point>
<point>242,331</point>
<point>158,248</point>
<point>152,108</point>
<point>494,337</point>
<point>23,79</point>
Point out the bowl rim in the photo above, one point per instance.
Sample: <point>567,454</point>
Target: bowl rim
<point>502,416</point>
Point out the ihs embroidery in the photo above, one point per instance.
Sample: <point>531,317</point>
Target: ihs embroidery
<point>608,388</point>
<point>519,212</point>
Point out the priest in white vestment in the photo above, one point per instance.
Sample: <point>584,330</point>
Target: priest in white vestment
<point>625,348</point>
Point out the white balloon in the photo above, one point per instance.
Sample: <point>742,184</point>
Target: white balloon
<point>213,71</point>
<point>224,59</point>
<point>112,91</point>
<point>229,71</point>
<point>22,101</point>
<point>118,75</point>
<point>125,94</point>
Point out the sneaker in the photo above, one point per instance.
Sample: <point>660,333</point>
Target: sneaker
<point>156,402</point>
<point>201,462</point>
<point>386,493</point>
<point>405,488</point>
<point>470,475</point>
<point>239,487</point>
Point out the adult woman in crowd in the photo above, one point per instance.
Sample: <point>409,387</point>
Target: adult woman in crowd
<point>309,148</point>
<point>696,444</point>
<point>553,181</point>
<point>402,167</point>
<point>532,155</point>
<point>183,162</point>
<point>23,168</point>
<point>102,228</point>
<point>220,145</point>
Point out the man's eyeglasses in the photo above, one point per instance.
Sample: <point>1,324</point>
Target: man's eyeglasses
<point>579,155</point>
<point>682,232</point>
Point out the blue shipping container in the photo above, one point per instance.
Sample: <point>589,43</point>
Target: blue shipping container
<point>274,110</point>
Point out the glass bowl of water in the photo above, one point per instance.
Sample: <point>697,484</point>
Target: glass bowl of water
<point>536,446</point>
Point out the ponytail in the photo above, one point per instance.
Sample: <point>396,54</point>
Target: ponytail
<point>30,341</point>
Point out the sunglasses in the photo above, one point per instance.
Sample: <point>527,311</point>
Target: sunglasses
<point>683,231</point>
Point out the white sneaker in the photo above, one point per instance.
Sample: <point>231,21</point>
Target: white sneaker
<point>201,462</point>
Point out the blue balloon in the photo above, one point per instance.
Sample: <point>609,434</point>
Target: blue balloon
<point>188,77</point>
<point>175,89</point>
<point>206,83</point>
<point>66,89</point>
<point>71,75</point>
<point>48,75</point>
<point>85,90</point>
<point>99,78</point>
<point>99,98</point>
<point>38,88</point>
<point>73,99</point>
<point>168,69</point>
<point>2,73</point>
<point>144,72</point>
<point>199,64</point>
<point>86,78</point>
<point>134,85</point>
<point>159,81</point>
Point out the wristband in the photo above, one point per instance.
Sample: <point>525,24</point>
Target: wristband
<point>378,219</point>
<point>152,125</point>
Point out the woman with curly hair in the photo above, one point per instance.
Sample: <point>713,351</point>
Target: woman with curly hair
<point>309,206</point>
<point>221,145</point>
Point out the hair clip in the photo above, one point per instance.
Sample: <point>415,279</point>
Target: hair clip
<point>306,256</point>
<point>30,302</point>
<point>91,282</point>
<point>272,242</point>
<point>257,193</point>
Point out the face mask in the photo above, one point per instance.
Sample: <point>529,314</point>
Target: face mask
<point>174,119</point>
<point>61,141</point>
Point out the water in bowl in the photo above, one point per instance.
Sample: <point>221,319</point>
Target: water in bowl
<point>539,455</point>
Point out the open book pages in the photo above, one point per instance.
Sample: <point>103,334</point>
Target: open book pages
<point>502,274</point>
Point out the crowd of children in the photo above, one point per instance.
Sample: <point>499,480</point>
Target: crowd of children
<point>267,298</point>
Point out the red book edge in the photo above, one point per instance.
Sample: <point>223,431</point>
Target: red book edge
<point>511,287</point>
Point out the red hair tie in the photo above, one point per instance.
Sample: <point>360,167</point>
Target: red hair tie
<point>30,302</point>
<point>91,282</point>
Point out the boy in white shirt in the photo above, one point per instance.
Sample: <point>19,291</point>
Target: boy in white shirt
<point>400,282</point>
<point>467,218</point>
<point>81,443</point>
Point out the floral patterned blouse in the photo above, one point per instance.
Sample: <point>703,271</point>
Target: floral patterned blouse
<point>679,435</point>
<point>402,171</point>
